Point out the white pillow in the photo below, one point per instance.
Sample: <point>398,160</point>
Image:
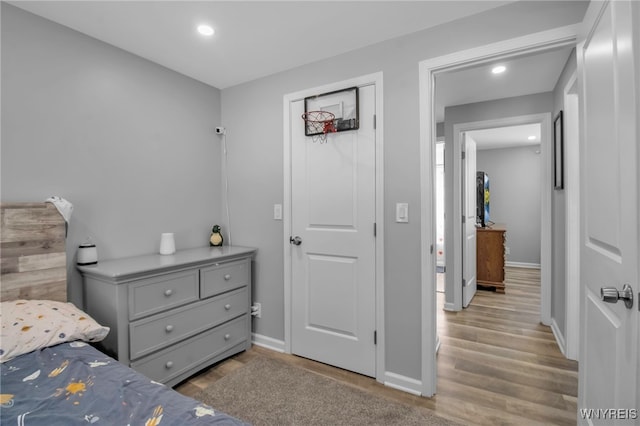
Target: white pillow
<point>28,325</point>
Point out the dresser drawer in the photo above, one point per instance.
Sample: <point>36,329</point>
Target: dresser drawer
<point>157,294</point>
<point>224,277</point>
<point>151,334</point>
<point>173,361</point>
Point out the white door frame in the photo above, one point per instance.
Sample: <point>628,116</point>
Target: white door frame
<point>570,346</point>
<point>563,36</point>
<point>370,79</point>
<point>544,119</point>
<point>467,290</point>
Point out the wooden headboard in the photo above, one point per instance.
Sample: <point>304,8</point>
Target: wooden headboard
<point>32,252</point>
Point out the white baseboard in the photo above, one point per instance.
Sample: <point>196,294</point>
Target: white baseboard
<point>403,383</point>
<point>559,337</point>
<point>522,265</point>
<point>449,307</point>
<point>267,342</point>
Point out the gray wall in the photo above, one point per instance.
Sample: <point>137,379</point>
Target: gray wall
<point>128,142</point>
<point>515,197</point>
<point>559,205</point>
<point>253,114</point>
<point>481,111</point>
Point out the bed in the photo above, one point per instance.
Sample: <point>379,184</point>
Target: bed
<point>50,374</point>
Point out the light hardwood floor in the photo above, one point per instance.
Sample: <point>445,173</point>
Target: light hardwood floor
<point>496,365</point>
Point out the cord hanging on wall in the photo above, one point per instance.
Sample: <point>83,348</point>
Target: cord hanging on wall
<point>223,132</point>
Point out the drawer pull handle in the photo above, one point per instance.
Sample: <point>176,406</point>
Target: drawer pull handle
<point>227,306</point>
<point>169,328</point>
<point>168,292</point>
<point>227,336</point>
<point>168,365</point>
<point>227,277</point>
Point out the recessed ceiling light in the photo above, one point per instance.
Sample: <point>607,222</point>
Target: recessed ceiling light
<point>499,69</point>
<point>205,30</point>
<point>532,138</point>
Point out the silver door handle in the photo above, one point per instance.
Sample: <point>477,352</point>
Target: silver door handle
<point>612,295</point>
<point>296,241</point>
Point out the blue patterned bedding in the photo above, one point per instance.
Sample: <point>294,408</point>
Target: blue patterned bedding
<point>75,384</point>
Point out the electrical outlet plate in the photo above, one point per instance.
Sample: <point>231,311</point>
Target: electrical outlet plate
<point>256,310</point>
<point>277,211</point>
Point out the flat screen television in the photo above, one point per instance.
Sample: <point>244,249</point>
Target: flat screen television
<point>483,196</point>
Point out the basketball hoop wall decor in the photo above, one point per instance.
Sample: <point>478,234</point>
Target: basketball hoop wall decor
<point>318,124</point>
<point>330,113</point>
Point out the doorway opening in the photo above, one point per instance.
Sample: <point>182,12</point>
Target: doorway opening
<point>513,155</point>
<point>522,46</point>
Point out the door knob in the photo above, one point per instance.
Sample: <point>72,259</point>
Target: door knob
<point>612,295</point>
<point>296,241</point>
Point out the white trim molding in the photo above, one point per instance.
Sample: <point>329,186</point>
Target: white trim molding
<point>449,306</point>
<point>403,383</point>
<point>366,80</point>
<point>538,42</point>
<point>559,337</point>
<point>267,342</point>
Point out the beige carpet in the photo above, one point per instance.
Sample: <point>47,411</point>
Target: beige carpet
<point>270,392</point>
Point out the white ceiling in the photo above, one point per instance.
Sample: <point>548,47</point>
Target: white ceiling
<point>506,137</point>
<point>525,75</point>
<point>253,38</point>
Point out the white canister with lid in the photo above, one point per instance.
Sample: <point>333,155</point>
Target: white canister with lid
<point>87,254</point>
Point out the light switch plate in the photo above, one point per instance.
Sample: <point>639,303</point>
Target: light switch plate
<point>277,211</point>
<point>402,212</point>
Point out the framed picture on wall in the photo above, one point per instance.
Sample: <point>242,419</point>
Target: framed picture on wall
<point>558,152</point>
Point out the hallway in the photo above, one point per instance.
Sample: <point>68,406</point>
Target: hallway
<point>497,364</point>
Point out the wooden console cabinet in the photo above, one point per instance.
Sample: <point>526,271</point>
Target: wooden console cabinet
<point>490,256</point>
<point>173,315</point>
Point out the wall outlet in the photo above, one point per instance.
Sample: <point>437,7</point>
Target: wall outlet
<point>507,250</point>
<point>256,310</point>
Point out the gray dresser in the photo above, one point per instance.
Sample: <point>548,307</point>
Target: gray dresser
<point>172,315</point>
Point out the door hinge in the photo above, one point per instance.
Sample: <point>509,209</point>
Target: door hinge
<point>464,219</point>
<point>463,155</point>
<point>431,249</point>
<point>375,337</point>
<point>464,282</point>
<point>375,229</point>
<point>374,121</point>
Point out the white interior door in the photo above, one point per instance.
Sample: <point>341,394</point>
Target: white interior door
<point>469,202</point>
<point>608,387</point>
<point>333,268</point>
